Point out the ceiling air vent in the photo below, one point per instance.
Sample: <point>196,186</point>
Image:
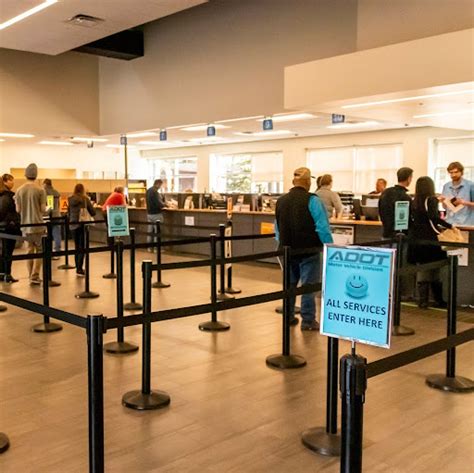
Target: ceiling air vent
<point>85,21</point>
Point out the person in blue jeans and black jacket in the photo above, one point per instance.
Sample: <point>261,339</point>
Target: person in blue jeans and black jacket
<point>302,222</point>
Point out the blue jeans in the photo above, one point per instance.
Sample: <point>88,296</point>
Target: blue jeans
<point>307,270</point>
<point>153,218</point>
<point>57,237</point>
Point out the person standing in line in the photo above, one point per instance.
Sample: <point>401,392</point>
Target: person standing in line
<point>302,222</point>
<point>380,186</point>
<point>330,199</point>
<point>458,196</point>
<point>79,203</point>
<point>31,205</point>
<point>397,193</point>
<point>155,203</point>
<point>53,211</point>
<point>10,224</point>
<point>117,197</point>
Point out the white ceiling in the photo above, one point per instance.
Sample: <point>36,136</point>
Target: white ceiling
<point>47,32</point>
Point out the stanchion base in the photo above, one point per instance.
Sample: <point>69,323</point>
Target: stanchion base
<point>222,296</point>
<point>66,266</point>
<point>402,331</point>
<point>160,285</point>
<point>279,310</point>
<point>458,384</point>
<point>120,348</point>
<point>87,295</point>
<point>214,326</point>
<point>132,306</point>
<point>3,308</point>
<point>284,362</point>
<point>54,284</point>
<point>110,276</point>
<point>144,402</point>
<point>46,328</point>
<point>4,443</point>
<point>319,441</point>
<point>233,290</point>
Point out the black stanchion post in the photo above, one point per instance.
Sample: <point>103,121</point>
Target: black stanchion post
<point>450,382</point>
<point>222,296</point>
<point>46,326</point>
<point>67,234</point>
<point>95,365</point>
<point>397,329</point>
<point>111,274</point>
<point>133,304</point>
<point>158,283</point>
<point>120,347</point>
<point>87,293</point>
<point>214,325</point>
<point>3,308</point>
<point>49,228</point>
<point>353,385</point>
<point>4,443</point>
<point>286,360</point>
<point>146,399</point>
<point>230,289</point>
<point>325,440</point>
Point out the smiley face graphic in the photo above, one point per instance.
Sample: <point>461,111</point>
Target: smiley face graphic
<point>357,286</point>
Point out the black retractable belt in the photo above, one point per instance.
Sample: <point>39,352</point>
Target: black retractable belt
<point>87,293</point>
<point>133,304</point>
<point>222,296</point>
<point>286,360</point>
<point>214,325</point>
<point>67,234</point>
<point>158,283</point>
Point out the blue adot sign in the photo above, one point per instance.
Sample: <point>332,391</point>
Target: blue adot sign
<point>357,294</point>
<point>163,135</point>
<point>211,130</point>
<point>336,118</point>
<point>117,221</point>
<point>402,213</point>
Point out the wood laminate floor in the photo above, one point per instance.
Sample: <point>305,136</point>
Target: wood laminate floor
<point>228,412</point>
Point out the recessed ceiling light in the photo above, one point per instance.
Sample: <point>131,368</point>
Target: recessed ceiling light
<point>265,133</point>
<point>17,135</point>
<point>56,143</point>
<point>204,127</point>
<point>290,117</point>
<point>97,140</point>
<point>27,13</point>
<point>407,99</point>
<point>442,114</point>
<point>142,134</point>
<point>120,146</point>
<point>352,125</point>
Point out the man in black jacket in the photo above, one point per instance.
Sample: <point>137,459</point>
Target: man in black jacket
<point>155,203</point>
<point>390,196</point>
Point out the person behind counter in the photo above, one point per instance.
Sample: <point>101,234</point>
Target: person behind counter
<point>78,206</point>
<point>458,196</point>
<point>155,203</point>
<point>380,186</point>
<point>330,199</point>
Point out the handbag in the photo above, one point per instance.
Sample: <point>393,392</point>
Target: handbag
<point>84,215</point>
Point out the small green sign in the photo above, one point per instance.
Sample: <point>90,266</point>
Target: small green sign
<point>402,214</point>
<point>117,221</point>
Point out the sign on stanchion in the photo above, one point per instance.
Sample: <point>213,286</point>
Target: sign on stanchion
<point>117,221</point>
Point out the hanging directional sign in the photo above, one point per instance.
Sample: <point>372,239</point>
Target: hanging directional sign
<point>336,118</point>
<point>267,124</point>
<point>163,135</point>
<point>211,130</point>
<point>123,140</point>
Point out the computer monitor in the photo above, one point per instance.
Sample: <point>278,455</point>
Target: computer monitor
<point>370,200</point>
<point>356,208</point>
<point>370,212</point>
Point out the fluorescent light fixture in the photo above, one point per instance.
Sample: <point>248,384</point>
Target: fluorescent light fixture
<point>342,126</point>
<point>154,143</point>
<point>143,134</point>
<point>290,117</point>
<point>442,114</point>
<point>16,135</point>
<point>256,117</point>
<point>85,140</point>
<point>266,133</point>
<point>207,139</point>
<point>120,146</point>
<point>204,127</point>
<point>27,13</point>
<point>56,143</point>
<point>408,99</point>
<point>1,139</point>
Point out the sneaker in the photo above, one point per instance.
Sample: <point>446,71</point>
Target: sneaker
<point>35,282</point>
<point>294,321</point>
<point>55,258</point>
<point>80,272</point>
<point>9,279</point>
<point>307,326</point>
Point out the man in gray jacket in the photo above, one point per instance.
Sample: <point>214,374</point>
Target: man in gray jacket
<point>52,201</point>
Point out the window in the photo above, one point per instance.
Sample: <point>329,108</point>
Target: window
<point>448,150</point>
<point>178,174</point>
<point>356,168</point>
<point>249,173</point>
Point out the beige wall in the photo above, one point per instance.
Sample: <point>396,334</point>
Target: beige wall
<point>51,95</point>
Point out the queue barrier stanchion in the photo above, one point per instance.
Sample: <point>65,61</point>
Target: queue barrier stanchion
<point>353,385</point>
<point>95,378</point>
<point>214,325</point>
<point>450,382</point>
<point>67,235</point>
<point>158,283</point>
<point>229,288</point>
<point>222,296</point>
<point>146,399</point>
<point>52,282</point>
<point>120,347</point>
<point>133,304</point>
<point>3,308</point>
<point>111,274</point>
<point>399,330</point>
<point>286,360</point>
<point>87,293</point>
<point>325,440</point>
<point>46,326</point>
<point>279,309</point>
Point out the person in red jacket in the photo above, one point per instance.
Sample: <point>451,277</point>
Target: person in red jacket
<point>116,198</point>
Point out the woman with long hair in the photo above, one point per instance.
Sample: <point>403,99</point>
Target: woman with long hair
<point>76,203</point>
<point>424,226</point>
<point>331,199</point>
<point>9,223</point>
